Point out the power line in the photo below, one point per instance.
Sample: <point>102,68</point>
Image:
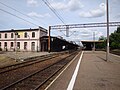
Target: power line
<point>15,10</point>
<point>18,17</point>
<point>61,11</point>
<point>53,10</point>
<point>20,12</point>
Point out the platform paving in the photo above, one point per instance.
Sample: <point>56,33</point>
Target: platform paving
<point>94,73</point>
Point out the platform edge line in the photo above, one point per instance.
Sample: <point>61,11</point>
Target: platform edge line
<point>72,81</point>
<point>61,73</point>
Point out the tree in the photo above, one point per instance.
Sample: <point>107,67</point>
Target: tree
<point>101,45</point>
<point>115,39</point>
<point>102,38</point>
<point>118,30</point>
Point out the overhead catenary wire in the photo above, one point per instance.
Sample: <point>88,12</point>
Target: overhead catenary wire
<point>19,17</point>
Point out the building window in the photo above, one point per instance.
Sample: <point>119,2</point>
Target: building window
<point>0,35</point>
<point>0,44</point>
<point>33,34</point>
<point>18,45</point>
<point>11,44</point>
<point>25,45</point>
<point>11,35</point>
<point>5,35</point>
<point>25,35</point>
<point>18,36</point>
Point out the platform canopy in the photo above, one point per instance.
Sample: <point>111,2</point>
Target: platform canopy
<point>89,45</point>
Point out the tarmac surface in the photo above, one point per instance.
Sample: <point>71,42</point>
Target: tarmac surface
<point>94,73</point>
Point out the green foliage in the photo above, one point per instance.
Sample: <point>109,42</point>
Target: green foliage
<point>101,45</point>
<point>118,30</point>
<point>115,39</point>
<point>102,38</point>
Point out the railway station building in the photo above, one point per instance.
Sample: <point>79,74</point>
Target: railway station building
<point>22,40</point>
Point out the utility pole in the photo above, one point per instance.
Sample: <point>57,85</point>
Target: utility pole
<point>49,39</point>
<point>93,41</point>
<point>67,31</point>
<point>107,12</point>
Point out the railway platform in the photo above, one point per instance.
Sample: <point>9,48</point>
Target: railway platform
<point>89,71</point>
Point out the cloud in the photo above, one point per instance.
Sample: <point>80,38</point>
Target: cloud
<point>116,1</point>
<point>85,33</point>
<point>34,14</point>
<point>72,5</point>
<point>117,16</point>
<point>32,2</point>
<point>99,12</point>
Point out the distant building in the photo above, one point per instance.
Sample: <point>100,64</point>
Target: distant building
<point>22,40</point>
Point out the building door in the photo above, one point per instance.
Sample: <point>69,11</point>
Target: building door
<point>33,46</point>
<point>5,46</point>
<point>25,45</point>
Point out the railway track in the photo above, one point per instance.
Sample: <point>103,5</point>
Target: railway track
<point>35,80</point>
<point>27,62</point>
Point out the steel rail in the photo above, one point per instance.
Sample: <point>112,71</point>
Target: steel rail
<point>27,63</point>
<point>30,75</point>
<point>40,85</point>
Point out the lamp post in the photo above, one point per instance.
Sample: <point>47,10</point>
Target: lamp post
<point>107,13</point>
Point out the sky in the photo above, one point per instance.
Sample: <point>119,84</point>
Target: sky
<point>37,13</point>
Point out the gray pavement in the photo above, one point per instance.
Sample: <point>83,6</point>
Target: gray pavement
<point>94,73</point>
